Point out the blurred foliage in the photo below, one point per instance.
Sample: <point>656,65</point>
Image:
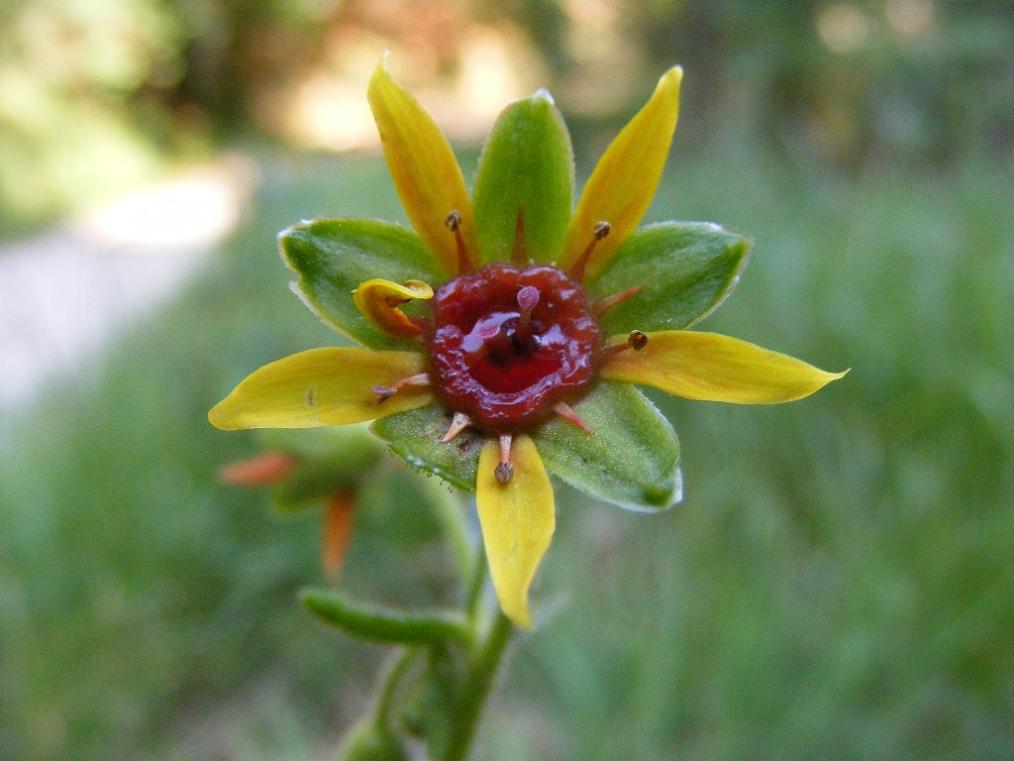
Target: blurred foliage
<point>152,580</point>
<point>908,80</point>
<point>98,94</point>
<point>837,583</point>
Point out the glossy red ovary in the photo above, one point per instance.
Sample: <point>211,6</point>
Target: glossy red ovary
<point>487,368</point>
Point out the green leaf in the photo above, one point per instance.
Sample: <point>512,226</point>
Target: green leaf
<point>527,165</point>
<point>686,270</point>
<point>415,436</point>
<point>631,457</point>
<point>333,256</point>
<point>380,624</point>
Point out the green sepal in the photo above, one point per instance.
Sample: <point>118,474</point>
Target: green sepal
<point>309,485</point>
<point>630,458</point>
<point>380,624</point>
<point>415,436</point>
<point>686,269</point>
<point>527,165</point>
<point>329,460</point>
<point>334,256</point>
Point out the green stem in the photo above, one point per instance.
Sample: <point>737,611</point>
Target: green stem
<point>478,684</point>
<point>388,690</point>
<point>475,585</point>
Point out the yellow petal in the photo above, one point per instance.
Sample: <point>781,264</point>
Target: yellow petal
<point>330,386</point>
<point>424,169</point>
<point>378,301</point>
<point>620,189</point>
<point>517,520</point>
<point>717,368</point>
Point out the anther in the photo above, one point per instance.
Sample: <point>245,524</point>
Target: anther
<point>599,231</point>
<point>504,472</point>
<point>383,393</point>
<point>565,411</point>
<point>602,306</point>
<point>459,422</point>
<point>636,341</point>
<point>453,223</point>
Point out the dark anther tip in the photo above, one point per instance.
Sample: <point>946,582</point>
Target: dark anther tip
<point>383,393</point>
<point>504,472</point>
<point>453,220</point>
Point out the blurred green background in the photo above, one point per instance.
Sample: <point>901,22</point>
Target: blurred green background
<point>838,583</point>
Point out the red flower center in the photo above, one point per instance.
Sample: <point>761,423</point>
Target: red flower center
<point>509,344</point>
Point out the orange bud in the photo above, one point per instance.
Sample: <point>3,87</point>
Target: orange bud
<point>265,469</point>
<point>339,517</point>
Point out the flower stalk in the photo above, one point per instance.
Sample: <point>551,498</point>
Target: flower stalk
<point>464,637</point>
<point>478,684</point>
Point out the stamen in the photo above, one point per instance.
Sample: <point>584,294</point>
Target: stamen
<point>459,422</point>
<point>453,223</point>
<point>600,231</point>
<point>636,341</point>
<point>518,256</point>
<point>528,299</point>
<point>504,472</point>
<point>565,411</point>
<point>384,393</point>
<point>602,306</point>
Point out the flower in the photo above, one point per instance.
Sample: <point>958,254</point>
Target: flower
<point>525,357</point>
<point>326,467</point>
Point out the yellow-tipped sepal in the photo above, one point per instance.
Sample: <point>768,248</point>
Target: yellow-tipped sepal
<point>517,518</point>
<point>623,183</point>
<point>331,386</point>
<point>424,169</point>
<point>716,368</point>
<point>378,300</point>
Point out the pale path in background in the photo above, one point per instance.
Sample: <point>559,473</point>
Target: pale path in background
<point>66,293</point>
